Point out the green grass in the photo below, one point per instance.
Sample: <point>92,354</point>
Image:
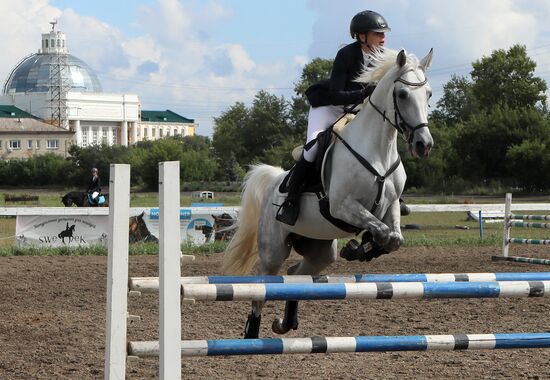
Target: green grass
<point>53,199</point>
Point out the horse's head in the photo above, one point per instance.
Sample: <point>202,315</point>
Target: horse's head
<point>66,200</point>
<point>404,88</point>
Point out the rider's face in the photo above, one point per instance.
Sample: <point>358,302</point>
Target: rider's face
<point>376,39</point>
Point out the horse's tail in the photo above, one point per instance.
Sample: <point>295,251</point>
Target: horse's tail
<point>241,252</point>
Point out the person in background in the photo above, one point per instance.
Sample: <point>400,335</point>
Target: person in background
<point>94,188</point>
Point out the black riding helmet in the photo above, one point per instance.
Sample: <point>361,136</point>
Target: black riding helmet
<point>366,21</point>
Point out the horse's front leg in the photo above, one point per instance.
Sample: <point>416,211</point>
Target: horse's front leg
<point>352,211</point>
<point>392,219</point>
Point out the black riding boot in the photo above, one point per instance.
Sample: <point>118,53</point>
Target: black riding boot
<point>288,213</point>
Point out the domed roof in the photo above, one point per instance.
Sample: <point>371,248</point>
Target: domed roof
<point>33,74</point>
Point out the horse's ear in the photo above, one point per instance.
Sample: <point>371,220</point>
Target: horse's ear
<point>401,58</point>
<point>141,215</point>
<point>426,62</point>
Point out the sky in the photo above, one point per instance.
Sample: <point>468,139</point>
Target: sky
<point>198,58</point>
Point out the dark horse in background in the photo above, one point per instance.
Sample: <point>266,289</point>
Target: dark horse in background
<point>224,228</point>
<point>81,199</point>
<point>139,233</point>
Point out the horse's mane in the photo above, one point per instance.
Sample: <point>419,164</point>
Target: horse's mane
<point>382,60</point>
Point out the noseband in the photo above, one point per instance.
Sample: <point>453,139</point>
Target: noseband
<point>399,122</point>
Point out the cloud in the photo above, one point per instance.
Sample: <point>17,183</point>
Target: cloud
<point>22,24</point>
<point>460,32</point>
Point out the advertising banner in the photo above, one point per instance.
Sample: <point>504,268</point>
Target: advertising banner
<point>59,231</point>
<point>198,225</point>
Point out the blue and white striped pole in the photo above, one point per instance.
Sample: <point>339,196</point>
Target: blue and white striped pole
<point>279,346</point>
<point>150,284</point>
<point>373,290</point>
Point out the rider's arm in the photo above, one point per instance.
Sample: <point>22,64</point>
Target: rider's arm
<point>341,80</point>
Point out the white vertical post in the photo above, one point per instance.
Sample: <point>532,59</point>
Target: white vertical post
<point>169,271</point>
<point>124,134</point>
<point>507,219</point>
<point>117,273</point>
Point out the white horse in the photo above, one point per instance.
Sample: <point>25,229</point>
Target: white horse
<point>362,176</point>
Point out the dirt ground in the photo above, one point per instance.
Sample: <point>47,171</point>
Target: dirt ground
<point>52,322</point>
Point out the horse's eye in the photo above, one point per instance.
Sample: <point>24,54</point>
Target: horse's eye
<point>403,94</point>
<point>429,93</point>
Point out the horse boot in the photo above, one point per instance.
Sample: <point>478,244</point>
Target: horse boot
<point>405,210</point>
<point>290,209</point>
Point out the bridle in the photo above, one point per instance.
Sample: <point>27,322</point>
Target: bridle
<point>399,123</point>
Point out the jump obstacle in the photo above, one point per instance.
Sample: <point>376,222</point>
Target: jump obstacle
<point>519,220</point>
<point>170,285</point>
<point>151,284</point>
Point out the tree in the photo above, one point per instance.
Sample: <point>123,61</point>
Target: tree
<point>507,78</point>
<point>268,127</point>
<point>481,144</point>
<point>529,162</point>
<point>228,139</point>
<point>457,103</point>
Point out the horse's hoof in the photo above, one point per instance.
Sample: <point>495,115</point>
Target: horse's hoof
<point>278,327</point>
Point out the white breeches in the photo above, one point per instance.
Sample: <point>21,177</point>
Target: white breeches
<point>95,194</point>
<point>319,119</point>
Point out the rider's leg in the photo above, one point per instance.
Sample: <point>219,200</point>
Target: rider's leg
<point>288,213</point>
<point>319,119</point>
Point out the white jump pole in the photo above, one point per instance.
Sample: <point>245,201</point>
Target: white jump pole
<point>117,272</point>
<point>507,218</point>
<point>169,271</point>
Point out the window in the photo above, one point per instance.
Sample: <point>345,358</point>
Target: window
<point>37,144</point>
<point>53,144</point>
<point>145,132</point>
<point>85,137</point>
<point>0,144</point>
<point>46,43</point>
<point>94,136</point>
<point>153,132</point>
<point>58,43</point>
<point>15,144</point>
<point>104,135</point>
<point>29,144</point>
<point>52,43</point>
<point>115,138</point>
<point>161,132</point>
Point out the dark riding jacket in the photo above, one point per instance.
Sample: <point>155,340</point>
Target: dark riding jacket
<point>341,89</point>
<point>95,185</point>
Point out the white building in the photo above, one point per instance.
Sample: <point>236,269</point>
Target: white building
<point>58,87</point>
<point>156,125</point>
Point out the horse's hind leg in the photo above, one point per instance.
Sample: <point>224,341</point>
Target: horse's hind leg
<point>273,248</point>
<point>317,255</point>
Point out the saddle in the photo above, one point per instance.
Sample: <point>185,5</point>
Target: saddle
<point>98,201</point>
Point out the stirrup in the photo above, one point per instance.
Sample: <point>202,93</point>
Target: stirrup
<point>288,213</point>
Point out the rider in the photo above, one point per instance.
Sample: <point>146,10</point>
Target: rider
<point>94,188</point>
<point>329,98</point>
